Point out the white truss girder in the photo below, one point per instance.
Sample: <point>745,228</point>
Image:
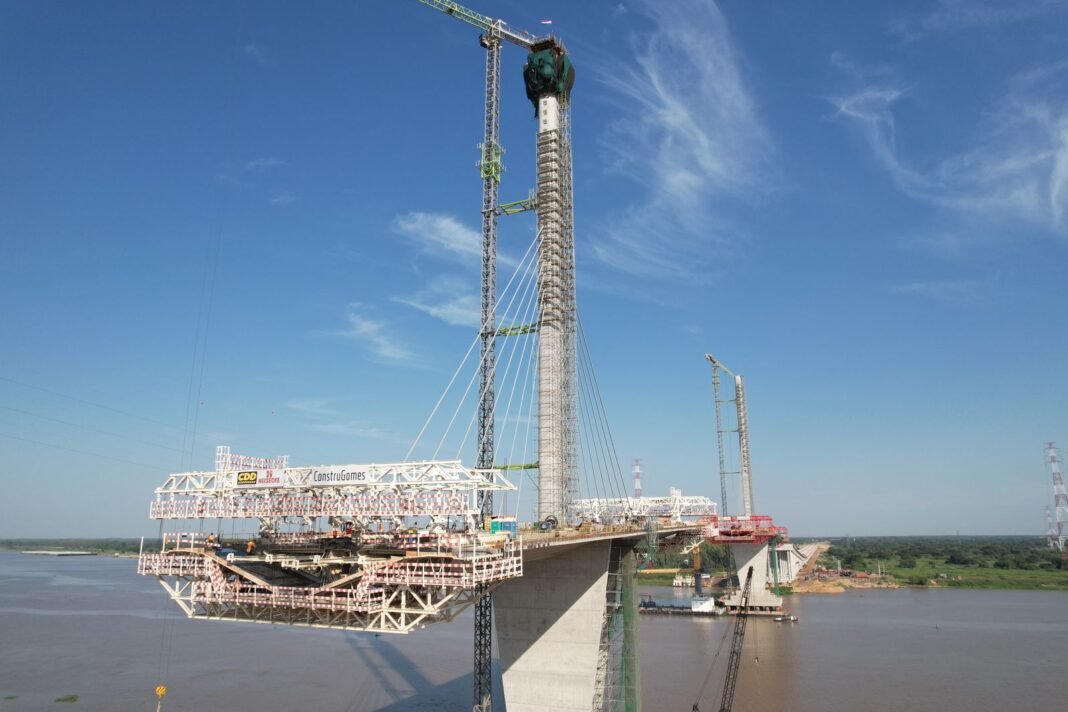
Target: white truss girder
<point>675,506</point>
<point>387,595</point>
<point>396,490</point>
<point>429,475</point>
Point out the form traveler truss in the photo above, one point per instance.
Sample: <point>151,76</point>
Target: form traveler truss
<point>382,547</point>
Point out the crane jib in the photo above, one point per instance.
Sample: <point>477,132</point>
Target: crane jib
<point>497,28</point>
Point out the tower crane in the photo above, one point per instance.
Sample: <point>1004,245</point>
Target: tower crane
<point>743,434</point>
<point>549,77</point>
<point>735,659</point>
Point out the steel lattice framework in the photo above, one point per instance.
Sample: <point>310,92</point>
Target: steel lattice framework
<point>491,169</point>
<point>363,494</point>
<point>389,595</point>
<point>676,507</point>
<point>403,548</point>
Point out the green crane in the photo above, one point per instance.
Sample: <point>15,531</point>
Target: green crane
<point>491,167</point>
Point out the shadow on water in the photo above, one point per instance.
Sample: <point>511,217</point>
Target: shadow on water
<point>387,662</point>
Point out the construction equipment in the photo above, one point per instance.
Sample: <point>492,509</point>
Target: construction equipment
<point>742,431</point>
<point>698,580</point>
<point>548,76</point>
<point>735,660</point>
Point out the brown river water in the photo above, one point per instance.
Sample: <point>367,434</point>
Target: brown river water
<point>89,626</point>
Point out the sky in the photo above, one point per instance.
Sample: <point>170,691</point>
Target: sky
<point>257,224</point>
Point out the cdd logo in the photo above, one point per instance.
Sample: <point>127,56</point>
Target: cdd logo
<point>246,478</point>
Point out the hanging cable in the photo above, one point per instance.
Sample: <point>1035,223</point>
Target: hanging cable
<point>475,376</point>
<point>599,402</point>
<point>459,369</point>
<point>522,312</point>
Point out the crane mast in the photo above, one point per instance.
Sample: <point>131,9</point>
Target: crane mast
<point>743,436</point>
<point>548,76</point>
<point>735,660</point>
<point>719,432</point>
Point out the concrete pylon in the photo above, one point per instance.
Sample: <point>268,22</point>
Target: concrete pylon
<point>761,600</point>
<point>549,626</point>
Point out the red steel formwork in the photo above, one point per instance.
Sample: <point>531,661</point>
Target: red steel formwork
<point>741,529</point>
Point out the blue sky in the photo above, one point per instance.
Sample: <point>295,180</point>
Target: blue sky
<point>257,222</point>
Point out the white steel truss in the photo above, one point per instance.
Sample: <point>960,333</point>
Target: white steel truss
<point>391,596</point>
<point>361,493</point>
<point>676,506</point>
<point>404,546</point>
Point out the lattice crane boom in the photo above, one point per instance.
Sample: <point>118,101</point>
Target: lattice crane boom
<point>489,25</point>
<point>735,660</point>
<point>491,166</point>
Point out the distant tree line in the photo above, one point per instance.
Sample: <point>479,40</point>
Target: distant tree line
<point>1005,552</point>
<point>100,546</point>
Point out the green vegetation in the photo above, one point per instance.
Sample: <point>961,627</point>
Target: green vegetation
<point>656,579</point>
<point>713,558</point>
<point>11,697</point>
<point>67,698</point>
<point>100,546</point>
<point>1014,562</point>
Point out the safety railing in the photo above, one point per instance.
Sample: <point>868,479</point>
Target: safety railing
<point>455,572</point>
<point>387,504</point>
<point>165,565</point>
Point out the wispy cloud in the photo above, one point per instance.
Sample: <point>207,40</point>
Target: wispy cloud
<point>690,130</point>
<point>283,198</point>
<point>450,299</point>
<point>265,162</point>
<point>440,235</point>
<point>353,428</point>
<point>255,52</point>
<point>444,236</point>
<point>951,291</point>
<point>336,421</point>
<point>315,407</point>
<point>374,335</point>
<point>954,15</point>
<point>1016,167</point>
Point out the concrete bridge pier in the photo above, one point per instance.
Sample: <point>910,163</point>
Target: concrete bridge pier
<point>761,600</point>
<point>554,626</point>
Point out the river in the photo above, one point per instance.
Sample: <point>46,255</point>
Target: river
<point>89,626</point>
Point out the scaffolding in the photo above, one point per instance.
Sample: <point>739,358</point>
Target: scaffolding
<point>378,547</point>
<point>676,507</point>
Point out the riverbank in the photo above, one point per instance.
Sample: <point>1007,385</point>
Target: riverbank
<point>1005,563</point>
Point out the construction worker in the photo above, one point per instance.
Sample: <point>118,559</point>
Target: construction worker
<point>250,547</point>
<point>211,540</point>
